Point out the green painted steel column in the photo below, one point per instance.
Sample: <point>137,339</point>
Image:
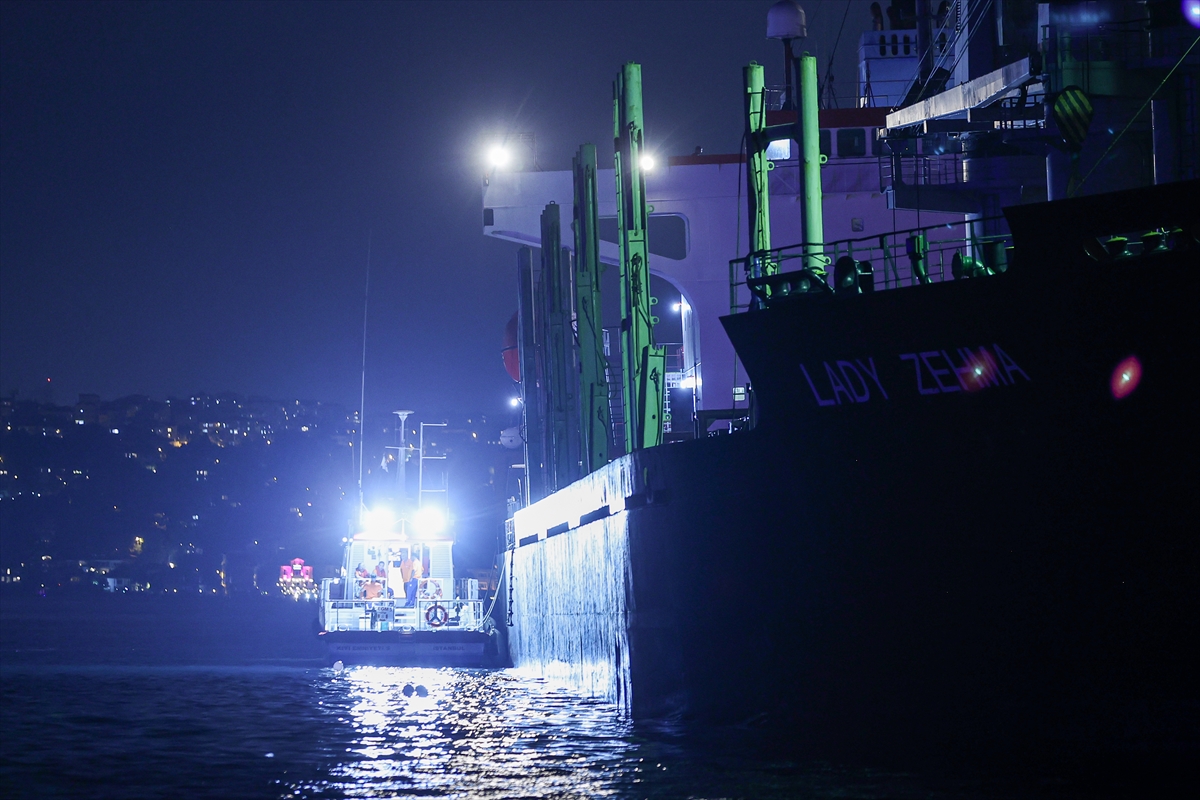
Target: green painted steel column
<point>529,335</point>
<point>593,395</point>
<point>560,370</point>
<point>757,167</point>
<point>642,361</point>
<point>814,226</point>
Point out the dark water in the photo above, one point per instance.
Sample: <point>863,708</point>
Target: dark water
<point>123,731</point>
<point>114,701</point>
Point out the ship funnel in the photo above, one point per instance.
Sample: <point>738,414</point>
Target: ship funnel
<point>786,20</point>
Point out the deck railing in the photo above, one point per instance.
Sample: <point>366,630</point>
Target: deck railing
<point>886,261</point>
<point>385,615</point>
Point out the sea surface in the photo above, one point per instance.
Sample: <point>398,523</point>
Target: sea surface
<point>117,698</point>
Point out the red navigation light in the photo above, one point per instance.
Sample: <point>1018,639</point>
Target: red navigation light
<point>1126,377</point>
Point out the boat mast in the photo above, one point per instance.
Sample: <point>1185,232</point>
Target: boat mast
<point>362,397</point>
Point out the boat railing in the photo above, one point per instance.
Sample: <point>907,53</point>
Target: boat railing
<point>387,615</point>
<point>933,169</point>
<point>1086,56</point>
<point>928,254</point>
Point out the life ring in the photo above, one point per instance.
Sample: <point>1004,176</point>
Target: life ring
<point>437,615</point>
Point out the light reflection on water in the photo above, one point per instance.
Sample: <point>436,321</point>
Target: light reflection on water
<point>289,732</point>
<point>477,734</point>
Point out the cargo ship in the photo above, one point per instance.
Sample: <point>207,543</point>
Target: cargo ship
<point>932,486</point>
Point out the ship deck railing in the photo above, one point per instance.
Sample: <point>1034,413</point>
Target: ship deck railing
<point>391,614</point>
<point>883,260</point>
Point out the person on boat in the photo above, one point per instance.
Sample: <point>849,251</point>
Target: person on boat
<point>410,585</point>
<point>372,590</point>
<point>380,571</point>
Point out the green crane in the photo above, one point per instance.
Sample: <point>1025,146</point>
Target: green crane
<point>529,322</point>
<point>757,168</point>
<point>642,361</point>
<point>593,395</point>
<point>559,365</point>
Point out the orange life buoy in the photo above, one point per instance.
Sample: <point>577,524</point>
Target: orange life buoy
<point>437,615</point>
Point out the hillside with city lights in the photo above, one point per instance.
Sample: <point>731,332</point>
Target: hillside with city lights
<point>207,494</point>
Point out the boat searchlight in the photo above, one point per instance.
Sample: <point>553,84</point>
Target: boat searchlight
<point>498,156</point>
<point>378,522</point>
<point>429,521</point>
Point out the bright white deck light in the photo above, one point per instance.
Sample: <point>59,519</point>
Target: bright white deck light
<point>647,162</point>
<point>498,156</point>
<point>429,521</point>
<point>378,521</point>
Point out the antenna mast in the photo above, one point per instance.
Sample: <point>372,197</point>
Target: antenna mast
<point>362,396</point>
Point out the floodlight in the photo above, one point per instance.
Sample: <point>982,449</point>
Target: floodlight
<point>845,276</point>
<point>499,156</point>
<point>378,521</point>
<point>646,162</point>
<point>967,267</point>
<point>514,401</point>
<point>429,521</point>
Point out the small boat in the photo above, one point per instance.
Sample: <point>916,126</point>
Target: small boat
<point>396,602</point>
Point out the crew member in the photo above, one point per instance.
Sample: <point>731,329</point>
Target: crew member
<point>410,585</point>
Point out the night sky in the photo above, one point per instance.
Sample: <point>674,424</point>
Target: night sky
<point>187,190</point>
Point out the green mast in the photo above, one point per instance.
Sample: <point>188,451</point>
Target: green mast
<point>593,396</point>
<point>814,227</point>
<point>757,168</point>
<point>642,362</point>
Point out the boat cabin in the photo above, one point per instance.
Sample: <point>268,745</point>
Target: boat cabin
<point>391,583</point>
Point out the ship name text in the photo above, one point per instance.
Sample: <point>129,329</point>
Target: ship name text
<point>961,369</point>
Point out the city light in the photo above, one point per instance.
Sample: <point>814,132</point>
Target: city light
<point>646,162</point>
<point>498,156</point>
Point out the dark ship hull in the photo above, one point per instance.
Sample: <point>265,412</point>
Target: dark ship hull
<point>448,648</point>
<point>965,519</point>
